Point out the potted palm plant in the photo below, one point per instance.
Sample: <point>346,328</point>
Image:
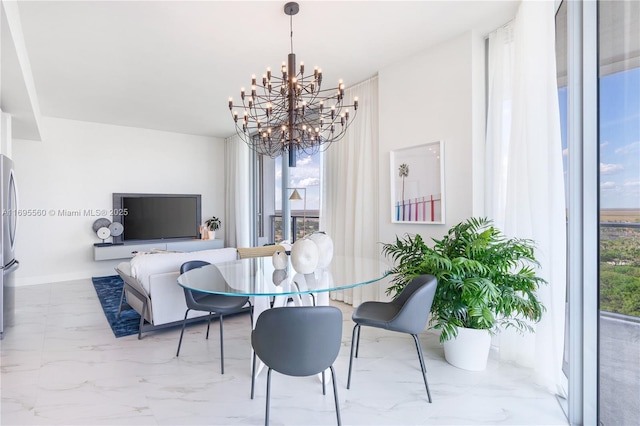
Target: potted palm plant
<point>212,224</point>
<point>486,282</point>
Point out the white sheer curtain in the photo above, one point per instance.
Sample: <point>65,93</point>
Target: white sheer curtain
<point>238,185</point>
<point>349,211</point>
<point>525,184</point>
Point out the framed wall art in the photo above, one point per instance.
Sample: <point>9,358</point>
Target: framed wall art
<point>417,184</point>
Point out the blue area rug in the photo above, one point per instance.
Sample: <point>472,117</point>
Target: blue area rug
<point>109,290</point>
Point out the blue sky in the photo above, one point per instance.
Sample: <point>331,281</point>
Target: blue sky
<point>619,138</point>
<point>306,174</point>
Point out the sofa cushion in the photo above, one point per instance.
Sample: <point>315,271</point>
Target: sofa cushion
<point>143,266</point>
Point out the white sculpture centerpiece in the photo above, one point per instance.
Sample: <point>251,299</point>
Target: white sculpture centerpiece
<point>311,252</point>
<point>325,248</point>
<point>279,260</point>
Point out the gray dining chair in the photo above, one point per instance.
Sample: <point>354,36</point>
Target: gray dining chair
<point>212,303</point>
<point>407,313</point>
<point>298,341</point>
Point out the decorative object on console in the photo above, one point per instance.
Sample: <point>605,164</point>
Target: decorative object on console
<point>291,113</point>
<point>213,224</point>
<point>417,184</point>
<point>279,260</point>
<point>116,229</point>
<point>325,248</point>
<point>101,228</point>
<point>304,256</point>
<point>103,233</point>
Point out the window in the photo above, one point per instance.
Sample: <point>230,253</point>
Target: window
<point>305,213</point>
<point>617,202</point>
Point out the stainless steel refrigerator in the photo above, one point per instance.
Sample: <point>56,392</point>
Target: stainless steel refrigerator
<point>10,213</point>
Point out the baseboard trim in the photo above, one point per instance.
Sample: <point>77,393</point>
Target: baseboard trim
<point>48,279</point>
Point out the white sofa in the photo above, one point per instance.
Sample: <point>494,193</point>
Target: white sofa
<point>151,286</point>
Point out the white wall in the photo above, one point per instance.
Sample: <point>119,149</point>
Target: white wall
<point>78,166</point>
<point>437,94</point>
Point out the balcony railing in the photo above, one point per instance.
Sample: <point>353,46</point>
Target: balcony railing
<point>301,225</point>
<point>620,269</point>
<point>619,325</point>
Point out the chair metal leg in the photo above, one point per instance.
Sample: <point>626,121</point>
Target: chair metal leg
<point>358,342</point>
<point>324,388</point>
<point>184,323</point>
<point>253,374</point>
<point>250,312</point>
<point>221,346</point>
<point>266,416</point>
<point>208,325</point>
<point>335,394</point>
<point>144,311</point>
<point>424,370</point>
<point>353,337</point>
<point>120,305</point>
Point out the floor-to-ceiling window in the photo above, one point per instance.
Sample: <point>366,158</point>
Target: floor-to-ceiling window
<point>601,104</point>
<point>305,180</point>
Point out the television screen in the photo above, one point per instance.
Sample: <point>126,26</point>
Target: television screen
<point>158,216</point>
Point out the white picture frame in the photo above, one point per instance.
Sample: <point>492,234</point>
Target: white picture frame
<point>417,191</point>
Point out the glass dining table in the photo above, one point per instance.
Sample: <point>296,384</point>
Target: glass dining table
<point>258,277</point>
<point>269,287</point>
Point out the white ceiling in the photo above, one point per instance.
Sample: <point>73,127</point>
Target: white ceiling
<point>172,65</point>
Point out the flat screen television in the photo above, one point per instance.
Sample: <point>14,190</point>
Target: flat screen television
<point>157,216</point>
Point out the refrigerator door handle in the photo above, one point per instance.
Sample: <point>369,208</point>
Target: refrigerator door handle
<point>14,265</point>
<point>13,209</point>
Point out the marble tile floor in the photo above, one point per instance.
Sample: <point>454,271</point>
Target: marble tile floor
<point>61,365</point>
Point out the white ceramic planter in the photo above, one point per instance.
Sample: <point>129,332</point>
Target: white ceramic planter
<point>469,350</point>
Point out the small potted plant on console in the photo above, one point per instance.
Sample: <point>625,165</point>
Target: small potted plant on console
<point>212,225</point>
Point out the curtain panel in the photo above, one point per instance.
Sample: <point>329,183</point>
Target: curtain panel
<point>238,186</point>
<point>524,176</point>
<point>349,210</point>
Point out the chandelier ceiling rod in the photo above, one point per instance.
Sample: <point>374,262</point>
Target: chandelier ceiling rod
<point>291,9</point>
<point>292,113</point>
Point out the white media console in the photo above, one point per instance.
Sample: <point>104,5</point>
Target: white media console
<point>125,251</point>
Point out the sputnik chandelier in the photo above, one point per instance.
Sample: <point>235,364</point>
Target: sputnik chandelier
<point>292,113</point>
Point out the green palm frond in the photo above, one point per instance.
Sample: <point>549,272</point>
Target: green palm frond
<point>485,279</point>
